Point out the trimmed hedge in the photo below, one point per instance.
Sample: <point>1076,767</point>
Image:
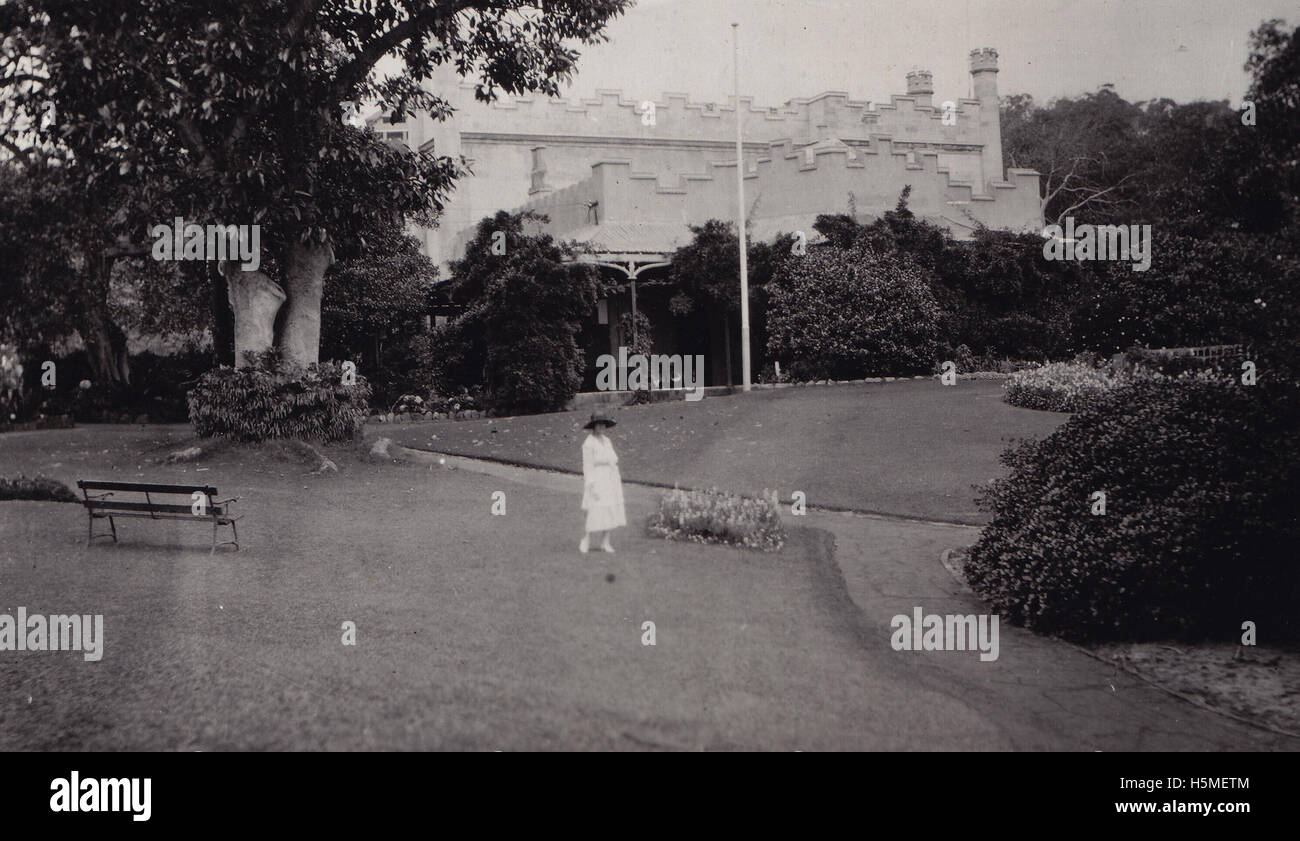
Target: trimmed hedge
<point>1201,523</point>
<point>713,516</point>
<point>258,404</point>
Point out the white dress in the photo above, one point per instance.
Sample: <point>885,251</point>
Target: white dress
<point>602,486</point>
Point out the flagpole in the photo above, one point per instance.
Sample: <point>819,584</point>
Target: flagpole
<point>740,214</point>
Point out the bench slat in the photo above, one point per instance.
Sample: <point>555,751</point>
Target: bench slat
<point>110,506</point>
<point>220,519</point>
<point>143,488</point>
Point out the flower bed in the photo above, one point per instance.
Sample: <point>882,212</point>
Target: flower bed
<point>714,516</point>
<point>1060,386</point>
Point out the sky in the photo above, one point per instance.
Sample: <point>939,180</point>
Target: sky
<point>1182,49</point>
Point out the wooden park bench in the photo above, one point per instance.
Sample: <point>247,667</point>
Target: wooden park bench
<point>200,504</point>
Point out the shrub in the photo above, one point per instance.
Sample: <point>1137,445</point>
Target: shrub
<point>410,404</point>
<point>716,517</point>
<point>644,333</point>
<point>986,363</point>
<point>1142,361</point>
<point>375,300</point>
<point>1059,387</point>
<point>266,402</point>
<point>846,314</point>
<point>38,488</point>
<point>518,339</point>
<point>157,389</point>
<point>1199,531</point>
<point>458,353</point>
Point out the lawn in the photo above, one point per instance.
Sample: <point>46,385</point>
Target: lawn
<point>483,632</point>
<point>912,447</point>
<point>474,631</point>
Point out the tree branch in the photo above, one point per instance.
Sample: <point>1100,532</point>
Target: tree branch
<point>355,71</point>
<point>1091,198</point>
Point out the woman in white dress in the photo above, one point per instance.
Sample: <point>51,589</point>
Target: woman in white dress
<point>602,485</point>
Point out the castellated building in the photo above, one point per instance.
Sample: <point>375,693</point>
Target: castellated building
<point>609,175</point>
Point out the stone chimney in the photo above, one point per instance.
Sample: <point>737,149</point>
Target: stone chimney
<point>538,174</point>
<point>920,84</point>
<point>984,80</point>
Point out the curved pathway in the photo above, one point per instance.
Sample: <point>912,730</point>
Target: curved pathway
<point>1040,694</point>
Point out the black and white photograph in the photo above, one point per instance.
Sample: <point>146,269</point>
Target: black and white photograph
<point>550,376</point>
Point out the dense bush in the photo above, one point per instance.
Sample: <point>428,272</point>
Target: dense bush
<point>1200,290</point>
<point>157,389</point>
<point>716,517</point>
<point>458,353</point>
<point>376,297</point>
<point>644,333</point>
<point>1059,387</point>
<point>994,291</point>
<point>37,488</point>
<point>267,402</point>
<point>1200,526</point>
<point>517,339</point>
<point>968,362</point>
<point>851,313</point>
<point>1143,361</point>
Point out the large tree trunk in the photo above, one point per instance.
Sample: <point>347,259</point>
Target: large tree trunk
<point>305,282</point>
<point>223,319</point>
<point>254,299</point>
<point>106,349</point>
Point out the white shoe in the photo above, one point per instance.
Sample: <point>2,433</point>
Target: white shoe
<point>607,547</point>
<point>582,545</point>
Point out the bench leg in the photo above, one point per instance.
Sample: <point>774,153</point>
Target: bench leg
<point>215,544</point>
<point>90,530</point>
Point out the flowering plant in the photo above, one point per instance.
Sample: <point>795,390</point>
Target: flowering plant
<point>1059,386</point>
<point>714,516</point>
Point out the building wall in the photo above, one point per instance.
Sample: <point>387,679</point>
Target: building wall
<point>788,188</point>
<point>676,169</point>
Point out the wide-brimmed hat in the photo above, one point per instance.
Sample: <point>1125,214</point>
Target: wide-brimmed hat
<point>595,419</point>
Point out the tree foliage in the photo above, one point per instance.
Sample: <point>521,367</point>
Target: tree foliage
<point>376,298</point>
<point>1083,149</point>
<point>231,113</point>
<point>525,308</point>
<point>995,292</point>
<point>707,269</point>
<point>852,313</point>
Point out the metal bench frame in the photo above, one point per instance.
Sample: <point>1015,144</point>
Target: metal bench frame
<point>214,510</point>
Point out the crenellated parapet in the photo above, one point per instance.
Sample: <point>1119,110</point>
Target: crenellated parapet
<point>613,113</point>
<point>794,182</point>
<point>614,158</point>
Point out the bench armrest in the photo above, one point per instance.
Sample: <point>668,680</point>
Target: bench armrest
<point>99,496</point>
<point>224,501</point>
